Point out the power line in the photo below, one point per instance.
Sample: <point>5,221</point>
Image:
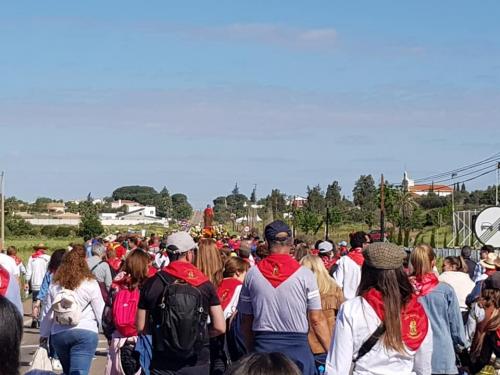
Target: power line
<point>468,173</point>
<point>467,180</point>
<point>494,157</point>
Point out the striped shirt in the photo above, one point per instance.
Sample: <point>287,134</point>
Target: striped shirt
<point>281,309</point>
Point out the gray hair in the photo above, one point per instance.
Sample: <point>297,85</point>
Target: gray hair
<point>98,249</point>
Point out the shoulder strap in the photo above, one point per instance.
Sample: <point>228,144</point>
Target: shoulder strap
<point>97,265</point>
<point>370,342</point>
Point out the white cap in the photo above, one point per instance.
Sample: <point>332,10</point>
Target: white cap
<point>325,247</point>
<point>342,243</point>
<point>180,242</point>
<point>110,238</point>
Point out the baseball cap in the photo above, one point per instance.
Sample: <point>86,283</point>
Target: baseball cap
<point>325,247</point>
<point>180,242</point>
<point>342,243</point>
<point>277,231</point>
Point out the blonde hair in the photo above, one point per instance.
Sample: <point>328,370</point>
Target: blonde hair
<point>421,259</point>
<point>325,283</point>
<point>209,261</point>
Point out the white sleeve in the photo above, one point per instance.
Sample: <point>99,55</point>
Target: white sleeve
<point>339,358</point>
<point>96,301</point>
<point>29,270</point>
<point>338,275</point>
<point>423,356</point>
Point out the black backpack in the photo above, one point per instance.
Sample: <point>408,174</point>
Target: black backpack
<point>179,322</point>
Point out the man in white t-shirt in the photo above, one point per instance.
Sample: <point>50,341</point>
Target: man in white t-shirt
<point>348,268</point>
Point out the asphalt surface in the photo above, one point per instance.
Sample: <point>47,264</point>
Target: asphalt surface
<point>31,338</point>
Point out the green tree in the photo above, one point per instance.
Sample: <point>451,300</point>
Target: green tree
<point>236,190</point>
<point>145,195</point>
<point>71,207</point>
<point>90,225</point>
<point>181,209</point>
<point>315,200</point>
<point>307,221</point>
<point>365,197</point>
<point>274,204</point>
<point>253,196</point>
<point>333,197</point>
<point>40,204</point>
<point>163,203</point>
<point>222,213</point>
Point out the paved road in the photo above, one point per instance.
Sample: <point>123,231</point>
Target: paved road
<point>30,344</point>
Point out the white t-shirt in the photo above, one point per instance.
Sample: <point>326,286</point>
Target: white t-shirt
<point>356,321</point>
<point>461,284</point>
<point>9,264</point>
<point>348,276</point>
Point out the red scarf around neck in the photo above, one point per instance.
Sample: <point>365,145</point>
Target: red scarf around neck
<point>187,272</point>
<point>424,284</point>
<point>414,322</point>
<point>226,290</point>
<point>115,263</point>
<point>38,253</point>
<point>357,256</point>
<point>277,268</point>
<point>4,280</point>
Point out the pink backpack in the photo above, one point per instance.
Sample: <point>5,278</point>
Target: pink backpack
<point>124,311</point>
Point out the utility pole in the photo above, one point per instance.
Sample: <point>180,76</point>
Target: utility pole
<point>453,175</point>
<point>327,222</point>
<point>2,211</point>
<point>498,178</point>
<point>382,209</point>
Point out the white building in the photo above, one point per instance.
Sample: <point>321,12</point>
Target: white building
<point>424,189</point>
<point>129,205</point>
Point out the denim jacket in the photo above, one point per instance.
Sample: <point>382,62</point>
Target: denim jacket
<point>443,310</point>
<point>44,289</point>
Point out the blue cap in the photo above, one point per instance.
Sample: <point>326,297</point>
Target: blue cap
<point>277,231</point>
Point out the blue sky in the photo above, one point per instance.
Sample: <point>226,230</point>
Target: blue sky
<point>197,95</point>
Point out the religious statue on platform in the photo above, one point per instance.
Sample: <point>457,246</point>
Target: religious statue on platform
<point>208,216</point>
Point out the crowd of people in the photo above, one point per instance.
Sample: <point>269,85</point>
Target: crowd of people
<point>170,305</point>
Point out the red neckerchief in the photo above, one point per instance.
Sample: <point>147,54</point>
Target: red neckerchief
<point>329,262</point>
<point>277,268</point>
<point>4,280</point>
<point>17,259</point>
<point>357,256</point>
<point>115,263</point>
<point>152,271</point>
<point>120,250</point>
<point>226,290</point>
<point>37,253</point>
<point>424,284</point>
<point>187,272</point>
<point>414,322</point>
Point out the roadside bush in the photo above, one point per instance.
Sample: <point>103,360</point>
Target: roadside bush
<point>64,231</point>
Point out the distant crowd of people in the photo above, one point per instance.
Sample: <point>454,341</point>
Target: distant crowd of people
<point>170,305</point>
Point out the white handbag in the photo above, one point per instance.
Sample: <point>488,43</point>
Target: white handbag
<point>41,364</point>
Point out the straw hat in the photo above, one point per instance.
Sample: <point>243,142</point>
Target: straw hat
<point>491,262</point>
<point>40,246</point>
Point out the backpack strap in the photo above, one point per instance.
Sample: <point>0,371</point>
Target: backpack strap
<point>97,265</point>
<point>370,342</point>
